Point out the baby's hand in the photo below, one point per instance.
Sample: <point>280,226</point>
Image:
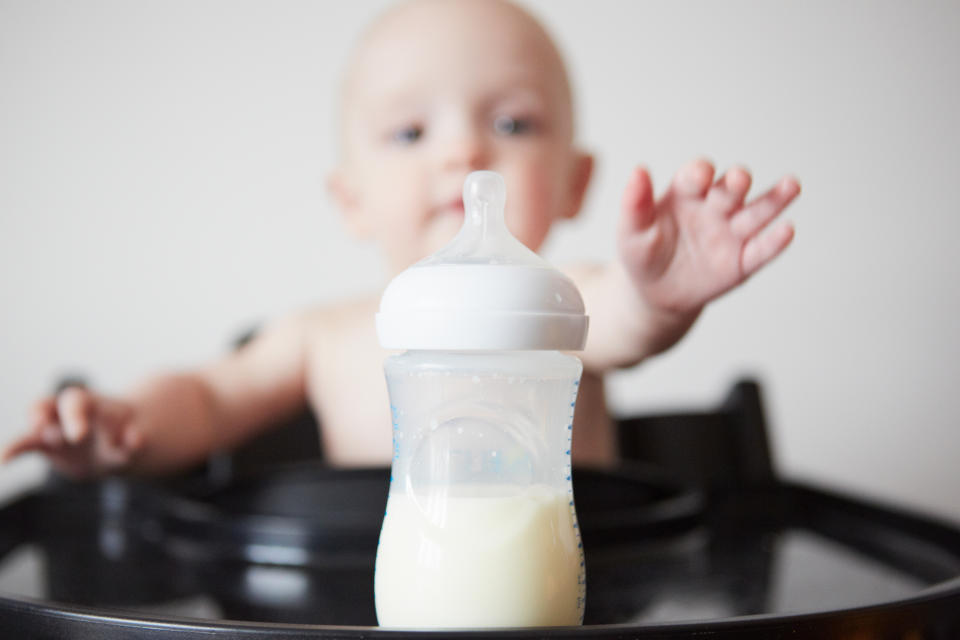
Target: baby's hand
<point>700,239</point>
<point>82,433</point>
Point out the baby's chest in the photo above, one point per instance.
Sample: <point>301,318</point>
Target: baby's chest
<point>348,392</point>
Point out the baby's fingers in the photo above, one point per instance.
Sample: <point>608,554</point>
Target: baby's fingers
<point>764,247</point>
<point>44,434</point>
<point>758,214</point>
<point>75,407</point>
<point>43,431</point>
<point>693,179</point>
<point>638,211</point>
<point>727,194</point>
<point>115,419</point>
<point>30,442</point>
<point>43,412</point>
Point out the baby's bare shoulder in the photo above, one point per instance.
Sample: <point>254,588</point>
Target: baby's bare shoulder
<point>582,272</point>
<point>328,326</point>
<point>341,316</point>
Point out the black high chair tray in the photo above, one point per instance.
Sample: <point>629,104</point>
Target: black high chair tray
<point>290,553</point>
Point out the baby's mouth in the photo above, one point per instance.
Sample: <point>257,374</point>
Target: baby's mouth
<point>452,207</point>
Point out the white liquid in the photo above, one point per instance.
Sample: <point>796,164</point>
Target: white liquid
<point>479,560</point>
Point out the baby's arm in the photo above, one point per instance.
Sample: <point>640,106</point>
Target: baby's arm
<point>677,254</point>
<point>173,421</point>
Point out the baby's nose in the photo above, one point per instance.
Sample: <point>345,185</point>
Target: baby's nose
<point>467,150</point>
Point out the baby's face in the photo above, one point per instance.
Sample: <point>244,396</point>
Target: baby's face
<point>440,89</point>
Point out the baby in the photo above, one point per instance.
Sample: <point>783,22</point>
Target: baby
<point>437,89</point>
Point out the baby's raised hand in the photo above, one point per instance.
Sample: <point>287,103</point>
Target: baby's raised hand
<point>700,239</point>
<point>82,433</point>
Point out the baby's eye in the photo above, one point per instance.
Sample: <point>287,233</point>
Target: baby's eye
<point>509,126</point>
<point>408,135</point>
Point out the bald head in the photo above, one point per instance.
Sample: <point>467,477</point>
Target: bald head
<point>457,42</point>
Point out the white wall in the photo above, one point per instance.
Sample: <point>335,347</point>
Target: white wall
<point>161,188</point>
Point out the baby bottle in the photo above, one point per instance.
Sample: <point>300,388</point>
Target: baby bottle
<point>480,528</point>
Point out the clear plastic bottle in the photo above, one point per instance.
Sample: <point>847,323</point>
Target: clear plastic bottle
<point>480,528</point>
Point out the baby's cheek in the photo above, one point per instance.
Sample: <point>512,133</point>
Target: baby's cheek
<point>400,233</point>
<point>534,207</point>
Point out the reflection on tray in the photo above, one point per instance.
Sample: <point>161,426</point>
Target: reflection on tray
<point>268,552</point>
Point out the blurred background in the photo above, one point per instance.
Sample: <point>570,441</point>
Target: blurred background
<point>162,168</point>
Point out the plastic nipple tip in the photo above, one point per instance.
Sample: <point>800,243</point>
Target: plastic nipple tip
<point>484,190</point>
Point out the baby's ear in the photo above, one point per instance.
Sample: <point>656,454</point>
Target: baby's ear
<point>581,170</point>
<point>341,188</point>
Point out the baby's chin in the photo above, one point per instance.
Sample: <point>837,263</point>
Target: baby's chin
<point>444,225</point>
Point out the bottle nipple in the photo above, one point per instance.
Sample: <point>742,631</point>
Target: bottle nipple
<point>484,195</point>
<point>484,237</point>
